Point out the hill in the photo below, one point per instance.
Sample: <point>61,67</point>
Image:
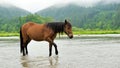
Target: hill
<point>10,11</point>
<point>100,16</point>
<point>9,17</point>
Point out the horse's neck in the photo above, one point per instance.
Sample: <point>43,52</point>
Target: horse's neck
<point>56,27</point>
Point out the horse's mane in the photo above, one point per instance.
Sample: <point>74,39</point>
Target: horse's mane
<point>57,27</point>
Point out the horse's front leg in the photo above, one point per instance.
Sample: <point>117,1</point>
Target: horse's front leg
<point>50,49</point>
<point>56,50</point>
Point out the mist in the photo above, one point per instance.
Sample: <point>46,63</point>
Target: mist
<point>90,3</point>
<point>36,5</point>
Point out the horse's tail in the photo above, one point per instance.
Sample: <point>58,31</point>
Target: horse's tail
<point>21,41</point>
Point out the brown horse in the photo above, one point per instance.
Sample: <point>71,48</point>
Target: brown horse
<point>43,32</point>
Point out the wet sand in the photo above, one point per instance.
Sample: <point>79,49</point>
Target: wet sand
<point>84,52</point>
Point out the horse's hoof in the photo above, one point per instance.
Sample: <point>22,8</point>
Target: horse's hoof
<point>23,54</point>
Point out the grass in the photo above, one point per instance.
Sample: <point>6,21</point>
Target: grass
<point>6,34</point>
<point>96,32</point>
<point>78,32</point>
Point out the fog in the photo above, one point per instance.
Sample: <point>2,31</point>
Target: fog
<point>36,5</point>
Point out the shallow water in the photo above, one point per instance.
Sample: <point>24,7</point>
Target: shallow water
<point>84,52</point>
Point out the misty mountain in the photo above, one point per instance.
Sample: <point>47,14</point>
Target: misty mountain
<point>84,17</point>
<point>10,11</point>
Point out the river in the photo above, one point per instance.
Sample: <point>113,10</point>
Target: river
<point>82,52</point>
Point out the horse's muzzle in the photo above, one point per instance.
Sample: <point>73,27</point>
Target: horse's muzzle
<point>70,36</point>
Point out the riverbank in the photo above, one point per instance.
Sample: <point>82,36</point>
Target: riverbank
<point>75,32</point>
<point>13,38</point>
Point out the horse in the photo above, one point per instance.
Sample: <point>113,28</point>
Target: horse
<point>43,32</point>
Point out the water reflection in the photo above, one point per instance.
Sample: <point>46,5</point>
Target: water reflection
<point>53,61</point>
<point>24,61</point>
<point>36,62</point>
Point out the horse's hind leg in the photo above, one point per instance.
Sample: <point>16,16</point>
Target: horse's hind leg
<point>26,49</point>
<point>26,46</point>
<point>23,48</point>
<point>56,50</point>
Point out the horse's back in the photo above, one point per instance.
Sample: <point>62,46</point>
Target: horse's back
<point>32,25</point>
<point>29,24</point>
<point>26,26</point>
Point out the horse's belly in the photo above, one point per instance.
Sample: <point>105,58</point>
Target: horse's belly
<point>38,38</point>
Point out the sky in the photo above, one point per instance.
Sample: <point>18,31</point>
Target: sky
<point>36,5</point>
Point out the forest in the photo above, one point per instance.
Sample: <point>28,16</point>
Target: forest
<point>97,18</point>
<point>14,24</point>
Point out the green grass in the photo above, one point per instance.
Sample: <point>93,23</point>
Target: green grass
<point>6,34</point>
<point>97,32</point>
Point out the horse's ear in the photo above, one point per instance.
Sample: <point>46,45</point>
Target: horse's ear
<point>66,21</point>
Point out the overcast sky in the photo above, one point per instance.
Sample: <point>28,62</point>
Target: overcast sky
<point>35,5</point>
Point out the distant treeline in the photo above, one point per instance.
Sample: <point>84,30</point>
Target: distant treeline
<point>14,24</point>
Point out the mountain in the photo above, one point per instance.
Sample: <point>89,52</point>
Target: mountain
<point>100,16</point>
<point>64,12</point>
<point>10,17</point>
<point>10,11</point>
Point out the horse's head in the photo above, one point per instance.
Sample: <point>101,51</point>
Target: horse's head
<point>68,29</point>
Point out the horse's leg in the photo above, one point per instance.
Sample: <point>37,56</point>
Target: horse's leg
<point>26,49</point>
<point>50,49</point>
<point>23,48</point>
<point>26,46</point>
<point>50,45</point>
<point>56,50</point>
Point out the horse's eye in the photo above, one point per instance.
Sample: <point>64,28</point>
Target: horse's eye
<point>68,27</point>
